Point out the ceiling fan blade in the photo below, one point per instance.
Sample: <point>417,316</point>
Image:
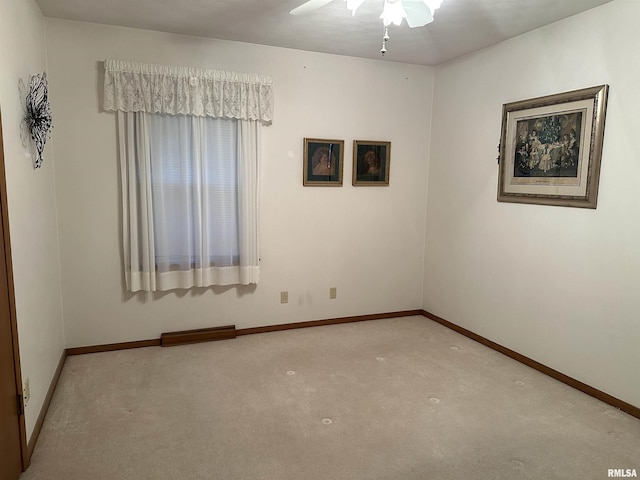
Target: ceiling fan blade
<point>309,6</point>
<point>418,13</point>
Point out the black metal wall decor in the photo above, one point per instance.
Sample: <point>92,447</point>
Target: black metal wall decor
<point>38,114</point>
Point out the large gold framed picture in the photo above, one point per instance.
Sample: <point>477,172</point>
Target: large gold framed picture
<point>551,148</point>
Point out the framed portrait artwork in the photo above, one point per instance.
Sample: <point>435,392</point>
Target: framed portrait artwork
<point>371,163</point>
<point>323,162</point>
<point>551,147</point>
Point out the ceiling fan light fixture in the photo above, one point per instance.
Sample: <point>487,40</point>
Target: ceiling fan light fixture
<point>393,12</point>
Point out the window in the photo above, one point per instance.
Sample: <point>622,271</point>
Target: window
<point>189,144</point>
<point>195,191</point>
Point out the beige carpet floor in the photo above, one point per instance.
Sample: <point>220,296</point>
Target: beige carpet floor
<point>402,398</point>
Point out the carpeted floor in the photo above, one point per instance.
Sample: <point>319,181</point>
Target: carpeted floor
<point>399,399</point>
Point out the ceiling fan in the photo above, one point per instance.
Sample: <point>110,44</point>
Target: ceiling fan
<point>417,12</point>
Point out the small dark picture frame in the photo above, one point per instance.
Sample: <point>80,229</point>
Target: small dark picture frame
<point>371,163</point>
<point>323,162</point>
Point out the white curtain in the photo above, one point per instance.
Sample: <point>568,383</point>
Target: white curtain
<point>190,216</point>
<point>151,88</point>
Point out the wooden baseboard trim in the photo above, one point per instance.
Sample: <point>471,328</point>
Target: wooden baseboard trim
<point>195,336</point>
<point>45,407</point>
<point>110,347</point>
<point>328,321</point>
<point>243,331</point>
<point>572,382</point>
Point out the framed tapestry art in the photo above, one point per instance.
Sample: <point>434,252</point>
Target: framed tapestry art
<point>323,162</point>
<point>371,163</point>
<point>551,147</point>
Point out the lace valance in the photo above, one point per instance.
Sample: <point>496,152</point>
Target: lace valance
<point>144,87</point>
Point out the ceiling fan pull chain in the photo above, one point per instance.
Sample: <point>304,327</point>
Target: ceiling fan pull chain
<point>383,50</point>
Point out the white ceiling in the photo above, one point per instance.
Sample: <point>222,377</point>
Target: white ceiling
<point>460,26</point>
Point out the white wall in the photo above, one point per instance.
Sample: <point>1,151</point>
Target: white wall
<point>368,242</point>
<point>32,208</point>
<point>560,285</point>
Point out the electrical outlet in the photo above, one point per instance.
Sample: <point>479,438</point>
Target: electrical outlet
<point>284,297</point>
<point>26,392</point>
<point>333,292</point>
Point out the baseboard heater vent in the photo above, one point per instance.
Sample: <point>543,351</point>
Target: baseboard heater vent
<point>195,336</point>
